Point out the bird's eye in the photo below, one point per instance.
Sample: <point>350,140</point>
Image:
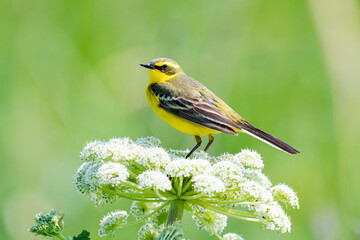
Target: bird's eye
<point>164,67</point>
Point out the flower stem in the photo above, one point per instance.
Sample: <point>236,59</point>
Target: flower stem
<point>237,202</point>
<point>144,218</point>
<point>175,183</point>
<point>131,197</point>
<point>217,200</point>
<point>132,174</point>
<point>204,222</point>
<point>60,236</point>
<point>133,185</point>
<point>172,191</point>
<point>191,192</point>
<point>176,211</point>
<point>186,185</point>
<point>231,214</point>
<point>228,210</point>
<point>193,196</point>
<point>159,195</point>
<point>180,186</point>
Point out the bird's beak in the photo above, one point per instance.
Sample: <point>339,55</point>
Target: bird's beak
<point>147,65</point>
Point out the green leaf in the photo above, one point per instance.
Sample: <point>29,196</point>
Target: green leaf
<point>84,235</point>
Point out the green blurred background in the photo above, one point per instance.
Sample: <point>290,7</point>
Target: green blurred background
<point>69,74</point>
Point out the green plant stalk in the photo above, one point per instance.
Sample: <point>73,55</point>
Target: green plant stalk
<point>134,185</point>
<point>229,214</point>
<point>204,222</point>
<point>181,180</point>
<point>186,185</point>
<point>191,192</point>
<point>132,174</point>
<point>176,211</point>
<point>193,196</point>
<point>237,202</point>
<point>159,195</point>
<point>132,198</point>
<point>61,237</point>
<point>172,191</point>
<point>144,218</point>
<point>228,210</point>
<point>176,183</point>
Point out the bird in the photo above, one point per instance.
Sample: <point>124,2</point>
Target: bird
<point>187,105</point>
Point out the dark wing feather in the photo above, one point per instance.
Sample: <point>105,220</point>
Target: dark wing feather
<point>198,111</point>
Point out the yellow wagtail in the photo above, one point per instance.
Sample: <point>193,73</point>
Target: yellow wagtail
<point>190,107</point>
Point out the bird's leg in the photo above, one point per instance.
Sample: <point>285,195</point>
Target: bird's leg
<point>198,143</point>
<point>211,140</point>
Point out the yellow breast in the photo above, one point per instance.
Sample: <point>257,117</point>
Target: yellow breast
<point>175,121</point>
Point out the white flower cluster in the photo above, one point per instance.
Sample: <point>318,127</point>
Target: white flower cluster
<point>232,236</point>
<point>150,231</point>
<point>91,177</point>
<point>277,219</point>
<point>254,192</point>
<point>210,220</point>
<point>138,209</point>
<point>213,188</point>
<point>208,184</point>
<point>144,151</point>
<point>249,158</point>
<point>230,173</point>
<point>155,224</point>
<point>286,195</point>
<point>111,174</point>
<point>154,179</point>
<point>112,221</point>
<point>188,167</point>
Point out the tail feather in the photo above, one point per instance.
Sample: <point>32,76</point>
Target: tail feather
<point>267,138</point>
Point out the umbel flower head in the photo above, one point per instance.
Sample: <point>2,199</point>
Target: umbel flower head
<point>213,189</point>
<point>49,225</point>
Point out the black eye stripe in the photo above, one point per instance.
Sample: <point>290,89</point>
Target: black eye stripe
<point>162,67</point>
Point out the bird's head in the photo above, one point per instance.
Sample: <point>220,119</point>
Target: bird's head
<point>162,69</point>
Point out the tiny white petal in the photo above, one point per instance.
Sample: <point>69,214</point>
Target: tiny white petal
<point>177,154</point>
<point>112,221</point>
<point>112,174</point>
<point>150,231</point>
<point>257,176</point>
<point>148,141</point>
<point>89,177</point>
<point>208,184</point>
<point>187,167</point>
<point>154,179</point>
<point>102,198</point>
<point>216,221</point>
<point>228,172</point>
<point>124,149</point>
<point>225,157</point>
<point>249,158</point>
<point>116,149</point>
<point>253,191</point>
<point>232,236</point>
<point>286,194</point>
<point>273,212</point>
<point>153,158</point>
<point>79,180</point>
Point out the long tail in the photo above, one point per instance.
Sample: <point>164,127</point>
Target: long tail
<point>267,138</point>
